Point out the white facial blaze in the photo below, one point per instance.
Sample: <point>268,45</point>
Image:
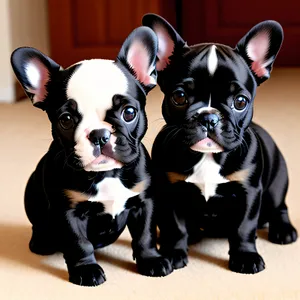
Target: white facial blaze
<point>209,101</point>
<point>212,60</point>
<point>93,86</point>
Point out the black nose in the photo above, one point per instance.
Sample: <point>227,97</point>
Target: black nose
<point>210,121</point>
<point>99,137</point>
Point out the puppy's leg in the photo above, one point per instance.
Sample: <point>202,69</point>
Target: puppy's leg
<point>281,231</point>
<point>79,252</point>
<point>143,231</point>
<point>174,236</point>
<point>242,236</point>
<point>43,240</point>
<point>178,210</point>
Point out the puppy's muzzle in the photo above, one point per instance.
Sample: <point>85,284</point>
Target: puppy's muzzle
<point>209,120</point>
<point>99,138</point>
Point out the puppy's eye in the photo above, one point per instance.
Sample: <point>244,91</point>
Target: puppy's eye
<point>179,97</point>
<point>129,114</point>
<point>240,102</point>
<point>66,121</point>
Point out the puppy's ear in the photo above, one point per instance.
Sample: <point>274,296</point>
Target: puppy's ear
<point>34,70</point>
<point>138,55</point>
<point>169,41</point>
<point>259,47</point>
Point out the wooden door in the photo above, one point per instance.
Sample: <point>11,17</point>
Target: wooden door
<point>84,29</point>
<point>226,21</point>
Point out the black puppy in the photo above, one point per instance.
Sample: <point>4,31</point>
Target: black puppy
<point>95,177</point>
<point>214,169</point>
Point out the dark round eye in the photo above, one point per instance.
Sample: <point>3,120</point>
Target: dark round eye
<point>129,114</point>
<point>240,102</point>
<point>66,121</point>
<point>179,98</point>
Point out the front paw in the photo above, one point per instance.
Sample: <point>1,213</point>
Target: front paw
<point>87,275</point>
<point>154,266</point>
<point>246,262</point>
<point>178,258</point>
<point>283,233</point>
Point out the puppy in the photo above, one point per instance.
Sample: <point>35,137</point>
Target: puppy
<point>214,169</point>
<point>94,180</point>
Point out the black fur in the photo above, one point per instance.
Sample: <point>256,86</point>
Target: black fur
<point>256,194</point>
<point>77,229</point>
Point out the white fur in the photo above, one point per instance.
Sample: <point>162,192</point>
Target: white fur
<point>212,61</point>
<point>207,109</point>
<point>38,77</point>
<point>111,193</point>
<point>33,74</point>
<point>206,176</point>
<point>93,86</point>
<point>209,101</point>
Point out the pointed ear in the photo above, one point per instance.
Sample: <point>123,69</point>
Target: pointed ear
<point>259,47</point>
<point>169,41</point>
<point>34,70</point>
<point>138,55</point>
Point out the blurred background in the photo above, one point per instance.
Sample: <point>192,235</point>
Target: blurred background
<point>72,30</point>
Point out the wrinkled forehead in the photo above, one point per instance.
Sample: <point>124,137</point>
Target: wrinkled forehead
<point>93,85</point>
<point>220,64</point>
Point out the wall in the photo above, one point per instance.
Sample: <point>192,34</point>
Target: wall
<point>29,24</point>
<point>6,78</point>
<point>22,23</point>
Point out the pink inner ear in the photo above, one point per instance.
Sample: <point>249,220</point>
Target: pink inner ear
<point>38,76</point>
<point>139,60</point>
<point>257,50</point>
<point>165,47</point>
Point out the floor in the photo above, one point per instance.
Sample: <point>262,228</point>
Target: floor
<point>25,135</point>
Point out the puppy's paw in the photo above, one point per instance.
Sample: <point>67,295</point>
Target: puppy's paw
<point>283,233</point>
<point>246,262</point>
<point>179,259</point>
<point>154,266</point>
<point>87,275</point>
<point>42,246</point>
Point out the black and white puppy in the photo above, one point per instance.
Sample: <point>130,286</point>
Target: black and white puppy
<point>94,180</point>
<point>214,169</point>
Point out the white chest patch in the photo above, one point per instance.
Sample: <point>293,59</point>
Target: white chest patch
<point>111,193</point>
<point>206,176</point>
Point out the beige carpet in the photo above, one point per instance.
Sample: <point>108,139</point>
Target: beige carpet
<point>25,136</point>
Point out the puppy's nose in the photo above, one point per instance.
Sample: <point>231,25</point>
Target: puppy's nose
<point>210,121</point>
<point>99,137</point>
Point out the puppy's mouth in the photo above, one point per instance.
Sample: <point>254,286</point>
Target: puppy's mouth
<point>104,161</point>
<point>207,145</point>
